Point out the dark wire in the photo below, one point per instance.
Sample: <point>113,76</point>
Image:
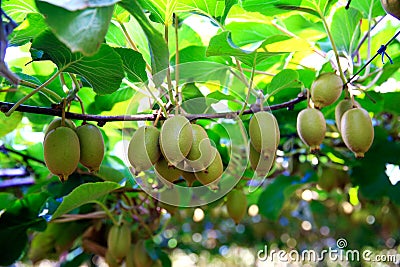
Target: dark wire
<point>381,51</point>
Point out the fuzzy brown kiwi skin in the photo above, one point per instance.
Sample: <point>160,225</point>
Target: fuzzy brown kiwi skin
<point>311,128</point>
<point>357,131</point>
<point>61,151</point>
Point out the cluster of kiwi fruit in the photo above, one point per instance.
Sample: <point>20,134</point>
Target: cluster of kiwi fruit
<point>65,145</point>
<point>178,149</point>
<point>353,122</point>
<point>121,248</point>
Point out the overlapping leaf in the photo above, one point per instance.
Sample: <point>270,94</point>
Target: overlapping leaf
<point>103,70</point>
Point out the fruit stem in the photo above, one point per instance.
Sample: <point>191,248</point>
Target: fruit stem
<point>169,81</point>
<point>177,93</point>
<point>131,42</point>
<point>106,210</point>
<point>39,88</point>
<point>63,112</point>
<point>44,90</point>
<point>335,50</point>
<point>250,87</point>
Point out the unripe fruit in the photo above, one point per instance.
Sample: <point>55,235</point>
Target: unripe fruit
<point>57,123</point>
<point>264,133</point>
<point>392,7</point>
<point>311,127</point>
<point>130,260</point>
<point>141,258</point>
<point>166,171</point>
<point>199,156</point>
<point>189,177</point>
<point>144,150</point>
<point>92,146</point>
<point>176,139</point>
<point>111,260</point>
<point>119,241</point>
<point>236,205</point>
<point>212,173</point>
<point>259,163</point>
<point>357,131</point>
<point>61,152</point>
<point>326,89</point>
<point>341,108</point>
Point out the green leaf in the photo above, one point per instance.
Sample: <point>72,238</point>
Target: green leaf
<point>14,223</point>
<point>274,196</point>
<point>31,27</point>
<point>103,71</point>
<point>18,9</point>
<point>107,102</point>
<point>369,6</point>
<point>249,27</point>
<point>345,28</point>
<point>157,45</point>
<point>133,63</point>
<point>369,172</point>
<point>286,79</point>
<point>84,194</point>
<point>86,28</point>
<point>115,36</point>
<point>222,45</point>
<point>73,5</point>
<point>6,200</point>
<point>161,9</point>
<point>268,7</point>
<point>210,8</point>
<point>9,124</point>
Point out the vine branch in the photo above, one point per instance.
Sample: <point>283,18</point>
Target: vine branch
<point>102,120</point>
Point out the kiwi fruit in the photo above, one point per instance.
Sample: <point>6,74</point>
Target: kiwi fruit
<point>311,127</point>
<point>236,204</point>
<point>91,145</point>
<point>189,177</point>
<point>326,89</point>
<point>140,255</point>
<point>264,133</point>
<point>176,138</point>
<point>57,122</point>
<point>343,106</point>
<point>199,155</point>
<point>212,173</point>
<point>61,151</point>
<point>166,171</point>
<point>144,149</point>
<point>357,131</point>
<point>392,7</point>
<point>119,241</point>
<point>259,163</point>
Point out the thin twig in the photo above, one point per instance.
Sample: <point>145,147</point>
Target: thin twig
<point>101,120</point>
